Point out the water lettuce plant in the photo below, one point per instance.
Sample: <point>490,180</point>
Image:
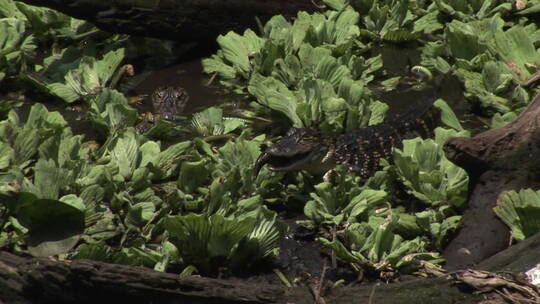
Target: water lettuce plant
<point>206,241</point>
<point>307,70</point>
<point>427,174</point>
<point>490,60</point>
<point>94,195</point>
<point>344,201</point>
<point>373,246</point>
<point>212,122</point>
<point>194,204</point>
<point>520,211</point>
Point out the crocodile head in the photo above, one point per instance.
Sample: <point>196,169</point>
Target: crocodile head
<point>169,101</point>
<point>301,148</point>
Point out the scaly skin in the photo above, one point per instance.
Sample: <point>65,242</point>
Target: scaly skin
<point>360,150</point>
<point>168,102</point>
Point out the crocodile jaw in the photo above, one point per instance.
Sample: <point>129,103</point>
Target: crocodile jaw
<point>301,148</point>
<point>318,160</point>
<point>285,163</point>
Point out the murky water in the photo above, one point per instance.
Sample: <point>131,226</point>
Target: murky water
<point>397,60</point>
<point>188,75</point>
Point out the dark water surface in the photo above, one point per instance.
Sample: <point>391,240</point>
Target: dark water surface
<point>188,75</point>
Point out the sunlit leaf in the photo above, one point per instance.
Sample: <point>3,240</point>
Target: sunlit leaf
<point>520,211</point>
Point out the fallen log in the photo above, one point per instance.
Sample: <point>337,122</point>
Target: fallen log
<point>497,160</point>
<point>180,20</point>
<point>40,280</point>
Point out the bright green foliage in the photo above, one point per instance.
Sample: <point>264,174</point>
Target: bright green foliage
<point>23,27</point>
<point>498,120</point>
<point>427,174</point>
<point>385,238</point>
<point>211,122</point>
<point>489,60</point>
<point>83,77</point>
<point>516,48</point>
<point>196,204</point>
<point>520,211</point>
<point>109,111</point>
<point>66,183</point>
<point>38,201</point>
<point>438,224</point>
<point>344,202</point>
<point>205,241</point>
<point>70,183</point>
<point>15,46</point>
<point>477,9</point>
<point>392,20</point>
<point>374,246</point>
<point>54,226</point>
<point>305,70</point>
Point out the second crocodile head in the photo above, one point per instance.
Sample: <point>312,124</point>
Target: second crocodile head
<point>169,101</point>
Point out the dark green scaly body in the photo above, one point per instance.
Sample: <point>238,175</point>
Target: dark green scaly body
<point>360,150</point>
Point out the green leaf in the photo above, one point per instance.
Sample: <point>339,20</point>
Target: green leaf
<point>211,122</point>
<point>140,213</point>
<point>238,49</point>
<point>201,238</point>
<point>76,77</point>
<point>136,256</point>
<point>193,175</point>
<point>96,252</point>
<point>428,23</point>
<point>336,4</point>
<point>106,67</point>
<point>49,179</point>
<point>448,117</point>
<point>378,111</point>
<point>377,247</point>
<point>216,65</point>
<point>168,160</point>
<point>518,52</point>
<point>124,152</point>
<point>12,35</point>
<point>110,111</point>
<point>520,211</point>
<point>427,174</point>
<point>74,201</point>
<point>499,121</point>
<point>463,39</point>
<point>54,226</point>
<point>6,156</point>
<point>276,96</point>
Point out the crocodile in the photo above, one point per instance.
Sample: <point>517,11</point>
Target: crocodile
<point>360,150</point>
<point>168,102</point>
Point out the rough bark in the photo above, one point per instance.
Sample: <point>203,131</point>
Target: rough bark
<point>181,20</point>
<point>497,160</point>
<point>39,280</point>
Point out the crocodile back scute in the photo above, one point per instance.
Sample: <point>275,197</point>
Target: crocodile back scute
<point>361,150</point>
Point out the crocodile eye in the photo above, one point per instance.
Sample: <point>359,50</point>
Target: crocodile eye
<point>291,131</point>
